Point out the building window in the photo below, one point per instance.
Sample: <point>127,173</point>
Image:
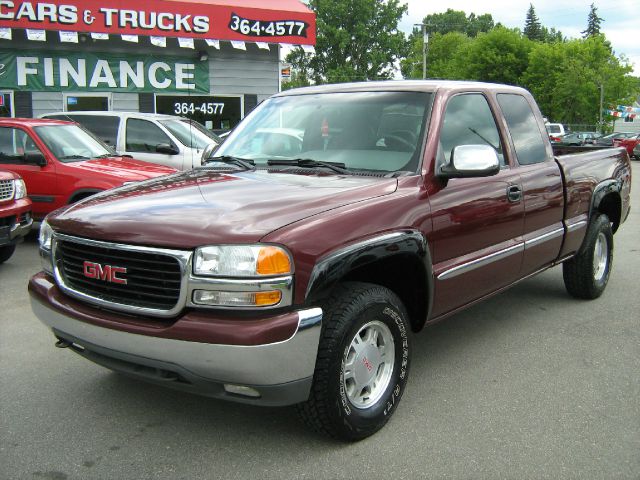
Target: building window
<point>78,102</point>
<point>6,104</point>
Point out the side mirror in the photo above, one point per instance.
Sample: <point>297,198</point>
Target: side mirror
<point>35,158</point>
<point>167,148</point>
<point>471,161</point>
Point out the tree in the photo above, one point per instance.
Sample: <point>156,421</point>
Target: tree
<point>532,25</point>
<point>458,21</point>
<point>356,40</point>
<point>448,33</point>
<point>444,57</point>
<point>566,77</point>
<point>500,56</point>
<point>593,23</point>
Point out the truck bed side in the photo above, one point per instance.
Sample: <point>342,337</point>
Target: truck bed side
<point>594,180</point>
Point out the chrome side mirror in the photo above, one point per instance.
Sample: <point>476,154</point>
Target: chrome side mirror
<point>471,161</point>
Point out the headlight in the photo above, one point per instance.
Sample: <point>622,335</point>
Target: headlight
<point>45,236</point>
<point>20,189</point>
<point>241,261</point>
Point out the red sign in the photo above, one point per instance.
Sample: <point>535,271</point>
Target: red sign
<point>273,21</point>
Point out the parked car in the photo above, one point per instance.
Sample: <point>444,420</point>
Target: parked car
<point>636,151</point>
<point>273,277</point>
<point>608,140</point>
<point>555,129</point>
<point>15,213</point>
<point>62,162</point>
<point>170,140</point>
<point>628,143</point>
<point>578,138</point>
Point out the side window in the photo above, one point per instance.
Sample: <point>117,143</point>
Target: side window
<point>144,136</point>
<point>105,127</point>
<point>468,121</point>
<point>14,143</point>
<point>524,129</point>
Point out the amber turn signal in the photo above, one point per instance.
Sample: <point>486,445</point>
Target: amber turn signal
<point>272,261</point>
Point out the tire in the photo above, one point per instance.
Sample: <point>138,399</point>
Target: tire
<point>6,252</point>
<point>349,356</point>
<point>586,274</point>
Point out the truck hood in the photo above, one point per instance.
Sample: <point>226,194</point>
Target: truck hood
<point>201,207</point>
<point>122,168</point>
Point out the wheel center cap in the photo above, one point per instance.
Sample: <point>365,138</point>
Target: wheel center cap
<point>367,364</point>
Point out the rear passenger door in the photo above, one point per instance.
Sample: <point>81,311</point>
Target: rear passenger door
<point>142,139</point>
<point>542,188</point>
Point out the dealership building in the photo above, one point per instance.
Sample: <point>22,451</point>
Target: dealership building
<point>210,60</point>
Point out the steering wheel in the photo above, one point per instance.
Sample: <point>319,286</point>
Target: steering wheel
<point>403,138</point>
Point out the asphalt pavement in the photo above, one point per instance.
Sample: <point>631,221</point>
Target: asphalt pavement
<point>531,384</point>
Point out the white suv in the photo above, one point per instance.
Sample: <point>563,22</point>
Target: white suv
<point>177,142</point>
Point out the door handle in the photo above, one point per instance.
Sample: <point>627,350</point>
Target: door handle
<point>514,193</point>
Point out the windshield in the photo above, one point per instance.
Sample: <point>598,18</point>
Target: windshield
<point>71,143</point>
<point>378,131</point>
<point>191,134</point>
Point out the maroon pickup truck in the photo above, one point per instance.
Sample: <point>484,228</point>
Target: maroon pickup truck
<point>295,265</point>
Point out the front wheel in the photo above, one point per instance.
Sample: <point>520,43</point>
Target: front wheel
<point>586,275</point>
<point>363,362</point>
<point>6,252</point>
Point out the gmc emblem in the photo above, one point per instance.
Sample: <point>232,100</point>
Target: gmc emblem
<point>108,273</point>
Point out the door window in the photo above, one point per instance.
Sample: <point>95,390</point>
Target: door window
<point>14,144</point>
<point>105,127</point>
<point>144,136</point>
<point>524,129</point>
<point>468,121</point>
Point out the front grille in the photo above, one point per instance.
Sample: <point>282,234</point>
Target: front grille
<point>9,221</point>
<point>153,279</point>
<point>6,190</point>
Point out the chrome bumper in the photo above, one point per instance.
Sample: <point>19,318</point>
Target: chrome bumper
<point>281,372</point>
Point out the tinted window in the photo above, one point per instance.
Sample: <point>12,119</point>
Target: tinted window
<point>468,121</point>
<point>104,127</point>
<point>525,133</point>
<point>144,136</point>
<point>14,143</point>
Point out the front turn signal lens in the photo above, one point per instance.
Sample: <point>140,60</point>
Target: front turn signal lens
<point>266,299</point>
<point>272,261</point>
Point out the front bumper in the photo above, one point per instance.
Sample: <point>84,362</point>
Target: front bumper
<point>21,222</point>
<point>281,372</point>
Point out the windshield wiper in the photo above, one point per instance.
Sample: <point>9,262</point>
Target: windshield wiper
<point>310,163</point>
<point>245,163</point>
<point>73,157</point>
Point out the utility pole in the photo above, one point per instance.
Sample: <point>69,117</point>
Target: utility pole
<point>425,43</point>
<point>601,107</point>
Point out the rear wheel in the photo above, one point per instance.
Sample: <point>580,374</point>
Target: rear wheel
<point>363,362</point>
<point>586,275</point>
<point>6,252</point>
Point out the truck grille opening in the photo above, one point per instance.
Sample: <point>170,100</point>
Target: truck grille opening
<point>6,190</point>
<point>152,279</point>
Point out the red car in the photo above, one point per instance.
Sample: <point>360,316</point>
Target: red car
<point>15,213</point>
<point>62,163</point>
<point>628,143</point>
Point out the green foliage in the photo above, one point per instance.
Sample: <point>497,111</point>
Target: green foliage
<point>458,21</point>
<point>593,23</point>
<point>565,78</point>
<point>532,26</point>
<point>356,40</point>
<point>499,56</point>
<point>445,56</point>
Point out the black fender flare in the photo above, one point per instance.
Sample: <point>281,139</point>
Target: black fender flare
<point>334,266</point>
<point>82,191</point>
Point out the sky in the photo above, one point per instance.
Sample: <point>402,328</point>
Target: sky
<point>621,18</point>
